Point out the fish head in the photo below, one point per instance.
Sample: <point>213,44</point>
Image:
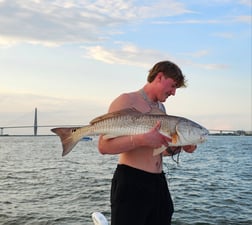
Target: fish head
<point>190,133</point>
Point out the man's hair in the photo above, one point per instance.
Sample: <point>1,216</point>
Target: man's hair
<point>169,69</point>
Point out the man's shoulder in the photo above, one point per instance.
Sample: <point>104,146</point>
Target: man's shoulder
<point>129,94</point>
<point>127,98</point>
<point>123,101</point>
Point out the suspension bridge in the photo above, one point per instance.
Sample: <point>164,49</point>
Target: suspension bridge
<point>33,129</point>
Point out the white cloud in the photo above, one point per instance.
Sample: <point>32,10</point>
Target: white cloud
<point>211,66</point>
<point>225,35</point>
<point>63,21</point>
<point>243,19</point>
<point>127,53</point>
<point>188,21</point>
<point>237,19</point>
<point>162,9</point>
<point>246,2</point>
<point>51,110</point>
<point>196,54</point>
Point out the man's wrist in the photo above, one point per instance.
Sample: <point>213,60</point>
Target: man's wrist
<point>173,150</point>
<point>169,151</point>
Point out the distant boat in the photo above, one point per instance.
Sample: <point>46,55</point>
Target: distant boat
<point>87,139</point>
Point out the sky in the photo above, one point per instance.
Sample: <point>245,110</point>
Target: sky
<point>71,58</point>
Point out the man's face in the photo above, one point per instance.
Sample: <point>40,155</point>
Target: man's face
<point>167,88</point>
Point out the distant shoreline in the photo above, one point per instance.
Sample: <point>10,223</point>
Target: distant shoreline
<point>229,134</point>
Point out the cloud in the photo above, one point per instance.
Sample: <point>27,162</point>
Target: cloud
<point>128,53</point>
<point>188,21</point>
<point>51,110</point>
<point>225,35</point>
<point>197,54</point>
<point>243,19</point>
<point>211,66</point>
<point>125,53</point>
<point>162,9</point>
<point>45,23</point>
<point>232,19</point>
<point>246,2</point>
<point>54,23</point>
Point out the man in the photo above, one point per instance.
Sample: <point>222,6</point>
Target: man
<point>139,191</point>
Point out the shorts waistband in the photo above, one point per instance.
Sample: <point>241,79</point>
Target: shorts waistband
<point>135,171</point>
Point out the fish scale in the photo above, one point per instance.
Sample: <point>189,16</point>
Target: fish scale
<point>124,125</point>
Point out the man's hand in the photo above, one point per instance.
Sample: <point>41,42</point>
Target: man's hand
<point>155,139</point>
<point>189,148</point>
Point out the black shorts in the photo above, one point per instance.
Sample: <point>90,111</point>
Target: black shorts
<point>140,198</point>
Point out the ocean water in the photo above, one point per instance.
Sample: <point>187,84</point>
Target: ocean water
<point>38,187</point>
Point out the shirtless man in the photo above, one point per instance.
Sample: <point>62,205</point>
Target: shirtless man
<point>139,191</point>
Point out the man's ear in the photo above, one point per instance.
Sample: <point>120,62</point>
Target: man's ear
<point>159,76</point>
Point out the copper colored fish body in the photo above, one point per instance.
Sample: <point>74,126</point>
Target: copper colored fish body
<point>182,131</point>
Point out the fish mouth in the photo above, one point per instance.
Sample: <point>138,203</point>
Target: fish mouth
<point>202,139</point>
<point>206,132</point>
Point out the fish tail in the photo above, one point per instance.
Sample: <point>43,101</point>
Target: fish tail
<point>69,137</point>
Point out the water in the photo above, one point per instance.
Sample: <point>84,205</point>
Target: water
<point>37,186</point>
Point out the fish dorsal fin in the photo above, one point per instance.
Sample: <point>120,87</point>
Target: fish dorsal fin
<point>127,111</point>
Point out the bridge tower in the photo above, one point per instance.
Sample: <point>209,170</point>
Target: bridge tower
<point>35,122</point>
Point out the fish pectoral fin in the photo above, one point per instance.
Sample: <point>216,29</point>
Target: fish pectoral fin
<point>157,151</point>
<point>109,136</point>
<point>174,138</point>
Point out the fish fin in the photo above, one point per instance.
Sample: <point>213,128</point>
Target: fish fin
<point>109,136</point>
<point>127,111</point>
<point>159,150</point>
<point>174,138</point>
<point>68,137</point>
